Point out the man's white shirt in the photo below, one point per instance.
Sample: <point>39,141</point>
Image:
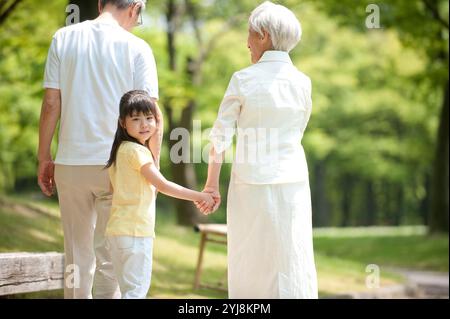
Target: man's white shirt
<point>93,64</point>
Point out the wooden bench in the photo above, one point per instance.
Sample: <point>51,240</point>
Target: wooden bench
<point>209,233</point>
<point>31,272</point>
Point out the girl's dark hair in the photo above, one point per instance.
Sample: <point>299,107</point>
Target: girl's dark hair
<point>133,102</point>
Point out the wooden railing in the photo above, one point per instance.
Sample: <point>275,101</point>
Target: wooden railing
<point>30,272</point>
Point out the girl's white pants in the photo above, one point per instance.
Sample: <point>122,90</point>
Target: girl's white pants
<point>132,261</point>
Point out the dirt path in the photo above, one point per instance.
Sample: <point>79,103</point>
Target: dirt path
<point>418,285</point>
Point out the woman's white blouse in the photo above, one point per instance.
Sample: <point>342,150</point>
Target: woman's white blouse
<point>269,103</point>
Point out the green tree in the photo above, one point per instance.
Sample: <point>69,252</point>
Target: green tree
<point>422,25</point>
<point>24,39</point>
<point>6,8</point>
<point>368,152</point>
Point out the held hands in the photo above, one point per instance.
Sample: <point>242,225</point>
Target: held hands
<point>206,208</point>
<point>207,201</point>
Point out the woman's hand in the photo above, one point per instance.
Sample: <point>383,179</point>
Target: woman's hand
<point>212,182</point>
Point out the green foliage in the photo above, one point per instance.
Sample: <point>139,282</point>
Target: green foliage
<point>24,41</point>
<point>373,117</point>
<point>420,24</point>
<point>387,246</point>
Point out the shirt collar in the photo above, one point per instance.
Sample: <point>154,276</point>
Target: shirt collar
<point>110,21</point>
<point>275,56</point>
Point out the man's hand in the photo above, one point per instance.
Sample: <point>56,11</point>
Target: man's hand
<point>46,173</point>
<point>50,114</point>
<point>203,207</point>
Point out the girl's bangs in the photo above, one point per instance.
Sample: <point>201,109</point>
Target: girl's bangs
<point>139,107</point>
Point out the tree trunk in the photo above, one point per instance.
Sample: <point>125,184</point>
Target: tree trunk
<point>88,9</point>
<point>182,173</point>
<point>398,207</point>
<point>320,202</point>
<point>385,204</point>
<point>438,220</point>
<point>425,202</point>
<point>5,11</point>
<point>171,32</point>
<point>347,188</point>
<point>370,214</point>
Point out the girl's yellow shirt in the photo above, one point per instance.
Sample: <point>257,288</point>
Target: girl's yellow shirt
<point>133,203</point>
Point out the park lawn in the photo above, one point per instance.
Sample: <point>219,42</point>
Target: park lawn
<point>395,247</point>
<point>341,255</point>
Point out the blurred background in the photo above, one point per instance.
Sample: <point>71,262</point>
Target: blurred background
<point>377,141</point>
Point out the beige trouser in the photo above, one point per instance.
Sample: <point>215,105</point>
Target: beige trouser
<point>85,201</point>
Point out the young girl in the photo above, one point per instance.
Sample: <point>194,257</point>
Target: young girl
<point>134,178</point>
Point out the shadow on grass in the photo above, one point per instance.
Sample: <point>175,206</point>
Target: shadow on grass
<point>30,232</point>
<point>176,280</point>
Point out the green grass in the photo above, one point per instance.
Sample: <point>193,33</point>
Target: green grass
<point>23,229</point>
<point>408,247</point>
<point>341,255</point>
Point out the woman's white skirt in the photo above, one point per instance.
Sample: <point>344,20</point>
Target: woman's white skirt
<point>270,248</point>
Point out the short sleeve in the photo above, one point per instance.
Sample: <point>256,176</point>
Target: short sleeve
<point>145,73</point>
<point>52,66</point>
<point>224,128</point>
<point>139,156</point>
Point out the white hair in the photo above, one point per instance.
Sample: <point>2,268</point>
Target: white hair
<point>123,4</point>
<point>280,22</point>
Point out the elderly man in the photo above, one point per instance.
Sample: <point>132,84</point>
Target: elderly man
<point>90,65</point>
<point>270,249</point>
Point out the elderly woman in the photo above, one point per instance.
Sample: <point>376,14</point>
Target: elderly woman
<point>270,250</point>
